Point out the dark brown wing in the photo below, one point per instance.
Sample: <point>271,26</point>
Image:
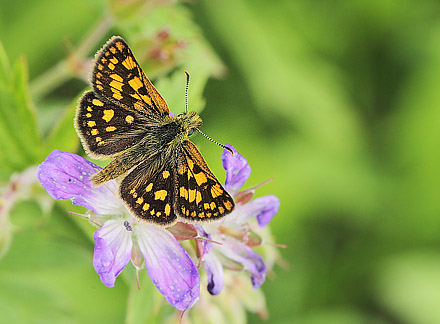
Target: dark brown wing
<point>104,128</point>
<point>149,193</point>
<point>118,77</point>
<point>199,195</point>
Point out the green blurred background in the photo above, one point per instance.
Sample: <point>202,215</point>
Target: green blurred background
<point>337,101</point>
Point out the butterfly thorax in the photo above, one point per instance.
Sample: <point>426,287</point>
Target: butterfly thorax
<point>171,131</point>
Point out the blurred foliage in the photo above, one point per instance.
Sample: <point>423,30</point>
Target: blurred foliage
<point>337,101</point>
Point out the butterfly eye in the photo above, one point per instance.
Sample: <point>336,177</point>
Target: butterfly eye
<point>190,131</point>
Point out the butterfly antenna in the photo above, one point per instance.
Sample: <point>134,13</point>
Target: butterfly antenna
<point>226,148</point>
<point>186,90</point>
<point>186,108</point>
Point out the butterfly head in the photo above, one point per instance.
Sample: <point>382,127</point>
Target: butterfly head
<point>189,122</point>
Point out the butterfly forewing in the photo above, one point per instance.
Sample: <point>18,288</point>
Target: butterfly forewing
<point>199,195</point>
<point>149,194</point>
<point>104,128</point>
<point>118,77</point>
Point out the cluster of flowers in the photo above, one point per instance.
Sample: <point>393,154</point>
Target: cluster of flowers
<point>226,244</point>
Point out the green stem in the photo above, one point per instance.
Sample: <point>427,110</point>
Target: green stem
<point>95,36</point>
<point>47,81</point>
<point>131,305</point>
<point>142,304</point>
<point>65,69</point>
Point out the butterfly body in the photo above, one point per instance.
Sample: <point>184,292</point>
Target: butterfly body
<point>163,175</point>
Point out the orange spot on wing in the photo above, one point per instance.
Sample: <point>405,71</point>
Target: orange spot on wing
<point>108,115</point>
<point>160,194</point>
<point>128,63</point>
<point>129,119</point>
<point>135,83</point>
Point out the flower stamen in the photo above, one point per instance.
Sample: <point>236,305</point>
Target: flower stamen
<point>128,226</point>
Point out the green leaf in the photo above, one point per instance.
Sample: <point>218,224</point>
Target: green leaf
<point>63,135</point>
<point>20,144</point>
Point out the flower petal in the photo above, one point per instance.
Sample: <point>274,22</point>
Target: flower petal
<point>246,256</point>
<point>214,271</point>
<point>67,176</point>
<point>263,208</point>
<point>268,207</point>
<point>113,245</point>
<point>237,170</point>
<point>169,266</point>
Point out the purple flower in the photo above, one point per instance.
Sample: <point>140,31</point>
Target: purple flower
<point>234,233</point>
<point>121,237</point>
<point>67,176</point>
<point>237,170</point>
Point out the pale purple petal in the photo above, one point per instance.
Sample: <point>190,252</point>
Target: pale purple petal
<point>169,266</point>
<point>102,262</point>
<point>214,271</point>
<point>251,261</point>
<point>263,208</point>
<point>67,176</point>
<point>268,207</point>
<point>237,170</point>
<point>258,281</point>
<point>113,245</point>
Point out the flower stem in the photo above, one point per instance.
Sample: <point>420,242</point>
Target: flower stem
<point>95,36</point>
<point>67,67</point>
<point>55,76</point>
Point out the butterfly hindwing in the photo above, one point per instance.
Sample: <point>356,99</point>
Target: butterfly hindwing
<point>199,195</point>
<point>149,194</point>
<point>104,128</point>
<point>118,77</point>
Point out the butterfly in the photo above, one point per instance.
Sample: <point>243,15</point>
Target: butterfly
<point>164,177</point>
